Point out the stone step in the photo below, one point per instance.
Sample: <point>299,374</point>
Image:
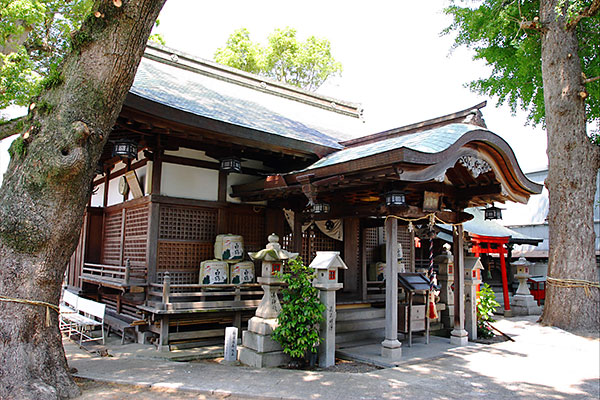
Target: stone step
<point>359,314</point>
<point>356,336</point>
<point>359,325</point>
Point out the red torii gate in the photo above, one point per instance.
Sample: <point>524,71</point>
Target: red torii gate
<point>494,245</point>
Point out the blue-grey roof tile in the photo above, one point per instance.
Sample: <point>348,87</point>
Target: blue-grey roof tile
<point>188,91</point>
<point>429,141</point>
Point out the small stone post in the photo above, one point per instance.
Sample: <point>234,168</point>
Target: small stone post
<point>326,265</point>
<point>473,269</point>
<point>230,350</point>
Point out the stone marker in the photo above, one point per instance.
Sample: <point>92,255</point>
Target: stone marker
<point>230,350</point>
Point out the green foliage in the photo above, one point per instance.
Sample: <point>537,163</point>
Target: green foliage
<point>35,35</point>
<point>18,147</point>
<point>298,330</point>
<point>303,64</point>
<point>486,305</point>
<point>492,29</point>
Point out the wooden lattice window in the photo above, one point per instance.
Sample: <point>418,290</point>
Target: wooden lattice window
<point>186,238</point>
<point>111,242</point>
<point>136,235</point>
<point>188,223</point>
<point>372,245</point>
<point>314,240</point>
<point>251,227</point>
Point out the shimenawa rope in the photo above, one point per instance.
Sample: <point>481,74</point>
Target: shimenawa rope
<point>35,303</point>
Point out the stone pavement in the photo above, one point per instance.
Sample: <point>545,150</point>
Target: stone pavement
<point>543,362</point>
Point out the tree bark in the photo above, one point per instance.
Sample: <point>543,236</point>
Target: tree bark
<point>48,184</point>
<point>571,182</point>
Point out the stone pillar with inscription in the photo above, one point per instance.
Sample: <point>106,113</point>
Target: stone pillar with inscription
<point>258,348</point>
<point>445,277</point>
<point>326,265</point>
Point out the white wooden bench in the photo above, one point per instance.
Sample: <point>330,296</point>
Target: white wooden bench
<point>80,316</point>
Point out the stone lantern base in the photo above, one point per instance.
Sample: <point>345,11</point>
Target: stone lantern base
<point>525,304</point>
<point>258,348</point>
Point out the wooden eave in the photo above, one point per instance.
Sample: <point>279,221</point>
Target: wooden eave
<point>191,126</point>
<point>417,171</point>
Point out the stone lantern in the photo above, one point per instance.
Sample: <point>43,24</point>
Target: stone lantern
<point>326,265</point>
<point>473,269</point>
<point>258,349</point>
<point>523,301</point>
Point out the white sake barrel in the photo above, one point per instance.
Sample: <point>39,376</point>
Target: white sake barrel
<point>213,272</point>
<point>242,272</point>
<point>229,248</point>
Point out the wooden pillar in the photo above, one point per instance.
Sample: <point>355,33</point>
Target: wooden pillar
<point>274,221</point>
<point>351,245</point>
<point>364,266</point>
<point>163,340</point>
<point>222,189</point>
<point>156,171</point>
<point>106,183</point>
<point>391,347</point>
<point>459,335</point>
<point>152,240</point>
<point>127,168</point>
<point>297,237</point>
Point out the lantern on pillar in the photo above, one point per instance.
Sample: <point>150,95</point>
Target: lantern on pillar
<point>326,265</point>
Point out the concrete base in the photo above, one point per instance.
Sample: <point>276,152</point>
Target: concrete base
<point>525,305</point>
<point>260,343</point>
<point>391,349</point>
<point>255,359</point>
<point>258,348</point>
<point>459,337</point>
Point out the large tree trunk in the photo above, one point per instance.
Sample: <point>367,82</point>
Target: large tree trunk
<point>571,182</point>
<point>48,184</point>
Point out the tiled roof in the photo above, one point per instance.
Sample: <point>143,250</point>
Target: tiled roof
<point>221,100</point>
<point>428,141</point>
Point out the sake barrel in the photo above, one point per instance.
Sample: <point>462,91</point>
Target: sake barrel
<point>213,272</point>
<point>242,272</point>
<point>229,248</point>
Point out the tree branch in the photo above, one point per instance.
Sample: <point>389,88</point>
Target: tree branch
<point>586,12</point>
<point>588,80</point>
<point>11,127</point>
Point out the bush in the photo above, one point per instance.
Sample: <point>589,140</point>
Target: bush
<point>301,312</point>
<point>486,305</point>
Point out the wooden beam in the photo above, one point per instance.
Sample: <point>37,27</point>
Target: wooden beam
<point>191,162</point>
<point>122,171</point>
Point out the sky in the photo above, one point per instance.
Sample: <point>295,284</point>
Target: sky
<point>396,63</point>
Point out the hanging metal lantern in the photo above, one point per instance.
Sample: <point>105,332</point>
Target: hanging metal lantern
<point>125,148</point>
<point>100,168</point>
<point>395,198</point>
<point>231,164</point>
<point>321,208</point>
<point>493,212</point>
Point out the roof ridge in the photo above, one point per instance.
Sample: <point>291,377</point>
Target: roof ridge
<point>180,59</point>
<point>403,130</point>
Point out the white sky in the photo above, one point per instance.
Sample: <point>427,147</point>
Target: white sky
<point>395,62</point>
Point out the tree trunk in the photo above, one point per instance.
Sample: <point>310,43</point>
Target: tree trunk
<point>48,184</point>
<point>571,182</point>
